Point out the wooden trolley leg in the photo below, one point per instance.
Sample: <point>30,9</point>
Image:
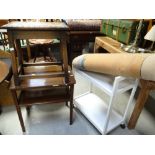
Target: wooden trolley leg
<point>14,95</point>
<point>96,47</point>
<point>71,104</point>
<point>141,100</point>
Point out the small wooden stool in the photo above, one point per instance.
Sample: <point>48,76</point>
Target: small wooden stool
<point>44,44</point>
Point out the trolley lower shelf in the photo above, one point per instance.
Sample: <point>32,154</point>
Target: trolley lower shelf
<point>95,110</point>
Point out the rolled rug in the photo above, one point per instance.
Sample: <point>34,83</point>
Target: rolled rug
<point>137,65</point>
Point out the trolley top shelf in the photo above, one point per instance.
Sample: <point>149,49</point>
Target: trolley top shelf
<point>105,82</point>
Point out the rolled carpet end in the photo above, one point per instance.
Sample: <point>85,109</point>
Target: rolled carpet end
<point>148,68</point>
<point>78,62</point>
<point>137,65</point>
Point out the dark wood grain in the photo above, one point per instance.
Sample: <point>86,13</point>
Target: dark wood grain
<point>43,69</point>
<point>42,83</point>
<point>42,75</point>
<point>41,63</point>
<point>52,95</point>
<point>53,26</point>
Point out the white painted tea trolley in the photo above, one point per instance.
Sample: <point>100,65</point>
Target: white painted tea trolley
<point>101,114</point>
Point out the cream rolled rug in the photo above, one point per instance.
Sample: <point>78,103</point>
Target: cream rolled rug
<point>137,65</point>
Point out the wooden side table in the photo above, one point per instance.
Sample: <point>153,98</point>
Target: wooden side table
<point>109,44</point>
<point>113,46</point>
<point>39,83</point>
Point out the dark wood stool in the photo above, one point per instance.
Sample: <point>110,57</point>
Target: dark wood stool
<point>45,46</point>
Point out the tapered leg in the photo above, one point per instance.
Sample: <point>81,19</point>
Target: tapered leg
<point>28,50</point>
<point>0,109</point>
<point>67,92</point>
<point>14,95</point>
<point>44,52</point>
<point>28,108</point>
<point>96,47</point>
<point>71,104</point>
<point>35,53</point>
<point>141,100</point>
<point>50,54</point>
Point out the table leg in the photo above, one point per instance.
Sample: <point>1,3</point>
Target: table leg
<point>71,104</point>
<point>68,93</point>
<point>0,109</point>
<point>14,95</point>
<point>141,100</point>
<point>14,67</point>
<point>63,48</point>
<point>28,49</point>
<point>96,47</point>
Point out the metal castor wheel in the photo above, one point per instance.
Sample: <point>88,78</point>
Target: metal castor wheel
<point>123,126</point>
